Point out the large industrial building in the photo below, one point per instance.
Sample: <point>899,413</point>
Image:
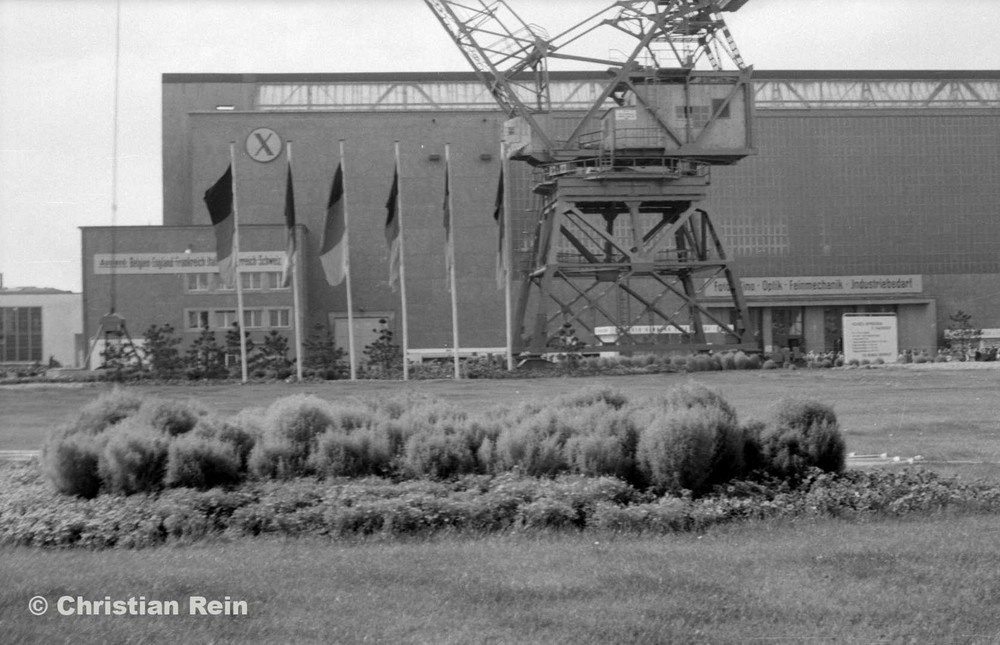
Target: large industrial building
<point>867,192</point>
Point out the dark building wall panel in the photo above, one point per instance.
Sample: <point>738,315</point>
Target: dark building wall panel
<point>855,193</point>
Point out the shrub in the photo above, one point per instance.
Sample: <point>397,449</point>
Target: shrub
<point>70,463</point>
<point>105,411</point>
<point>600,454</point>
<point>753,457</point>
<point>547,513</point>
<point>535,444</point>
<point>357,454</point>
<point>292,426</point>
<point>728,361</point>
<point>198,462</point>
<point>769,364</point>
<point>240,440</point>
<point>696,395</point>
<point>676,448</point>
<point>170,417</point>
<point>804,435</point>
<point>134,459</point>
<point>438,455</point>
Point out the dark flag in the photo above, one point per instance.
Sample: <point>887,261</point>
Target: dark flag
<point>392,230</point>
<point>219,200</point>
<point>286,273</point>
<point>333,250</point>
<point>503,262</point>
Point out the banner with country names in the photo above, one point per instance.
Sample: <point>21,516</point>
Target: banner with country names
<point>160,263</point>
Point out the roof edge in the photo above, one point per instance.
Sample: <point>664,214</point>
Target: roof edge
<point>388,77</point>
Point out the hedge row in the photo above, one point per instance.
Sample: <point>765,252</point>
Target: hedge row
<point>687,439</point>
<point>32,514</point>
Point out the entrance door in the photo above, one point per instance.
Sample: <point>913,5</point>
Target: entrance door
<point>833,328</point>
<point>786,327</point>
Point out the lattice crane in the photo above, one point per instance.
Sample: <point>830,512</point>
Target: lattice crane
<point>621,252</point>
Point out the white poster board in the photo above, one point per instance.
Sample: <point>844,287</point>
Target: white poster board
<point>869,337</point>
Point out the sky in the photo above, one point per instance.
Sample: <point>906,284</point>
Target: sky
<point>58,69</point>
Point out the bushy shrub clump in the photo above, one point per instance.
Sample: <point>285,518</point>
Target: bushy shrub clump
<point>292,427</point>
<point>200,462</point>
<point>804,435</point>
<point>71,461</point>
<point>693,442</point>
<point>105,411</point>
<point>134,459</point>
<point>687,439</point>
<point>170,417</point>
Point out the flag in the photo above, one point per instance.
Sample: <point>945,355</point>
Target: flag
<point>503,264</point>
<point>219,200</point>
<point>449,245</point>
<point>392,230</point>
<point>286,271</point>
<point>333,250</point>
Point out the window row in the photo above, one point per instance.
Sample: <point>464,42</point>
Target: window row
<point>257,318</point>
<point>249,281</point>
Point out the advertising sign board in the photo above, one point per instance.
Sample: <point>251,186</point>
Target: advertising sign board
<point>870,337</point>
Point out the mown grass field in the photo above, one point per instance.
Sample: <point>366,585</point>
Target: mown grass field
<point>929,580</point>
<point>938,413</point>
<point>923,579</point>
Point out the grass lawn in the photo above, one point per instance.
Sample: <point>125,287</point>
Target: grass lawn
<point>927,580</point>
<point>922,579</point>
<point>939,414</point>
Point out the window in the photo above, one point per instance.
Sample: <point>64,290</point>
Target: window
<point>197,281</point>
<point>699,115</point>
<point>273,280</point>
<point>716,104</point>
<point>279,318</point>
<point>252,281</point>
<point>197,319</point>
<point>225,318</point>
<point>253,318</point>
<point>20,334</point>
<point>220,285</point>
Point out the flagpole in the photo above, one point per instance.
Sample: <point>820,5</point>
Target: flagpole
<point>296,302</point>
<point>508,313</point>
<point>347,273</point>
<point>402,271</point>
<point>236,259</point>
<point>450,251</point>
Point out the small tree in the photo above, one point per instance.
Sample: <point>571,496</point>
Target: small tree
<point>272,355</point>
<point>963,336</point>
<point>322,356</point>
<point>232,349</point>
<point>382,352</point>
<point>204,358</point>
<point>119,356</point>
<point>163,358</point>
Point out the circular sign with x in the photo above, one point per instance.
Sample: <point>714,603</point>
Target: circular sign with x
<point>263,145</point>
